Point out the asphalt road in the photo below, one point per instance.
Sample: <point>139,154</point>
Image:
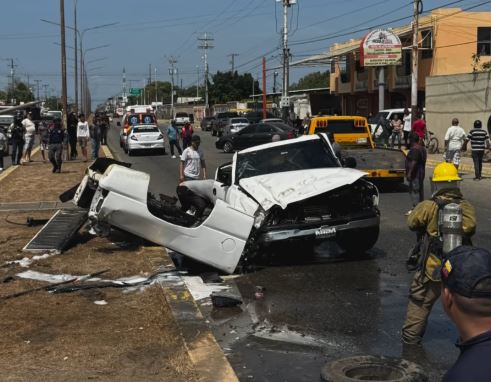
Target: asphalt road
<point>321,309</point>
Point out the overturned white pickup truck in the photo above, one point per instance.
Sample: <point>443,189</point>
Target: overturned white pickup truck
<point>284,191</point>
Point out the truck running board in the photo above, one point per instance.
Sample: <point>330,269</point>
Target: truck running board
<point>57,232</point>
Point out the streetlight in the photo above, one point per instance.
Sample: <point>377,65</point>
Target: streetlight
<point>80,36</point>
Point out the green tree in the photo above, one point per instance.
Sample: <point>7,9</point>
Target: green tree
<point>227,86</point>
<point>21,93</point>
<point>312,81</point>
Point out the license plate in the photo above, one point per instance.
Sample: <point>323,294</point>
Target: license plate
<point>325,232</point>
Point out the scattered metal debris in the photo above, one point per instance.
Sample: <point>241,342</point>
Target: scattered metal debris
<point>225,300</point>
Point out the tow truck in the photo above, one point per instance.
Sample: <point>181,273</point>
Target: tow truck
<point>352,133</point>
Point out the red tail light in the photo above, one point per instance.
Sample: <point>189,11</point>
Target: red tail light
<point>291,134</point>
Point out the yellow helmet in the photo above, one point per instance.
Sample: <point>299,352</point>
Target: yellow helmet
<point>445,172</point>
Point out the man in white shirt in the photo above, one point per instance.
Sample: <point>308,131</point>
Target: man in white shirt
<point>30,132</point>
<point>192,161</point>
<point>83,134</point>
<point>454,140</point>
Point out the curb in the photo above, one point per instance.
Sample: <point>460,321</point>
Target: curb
<point>208,359</point>
<point>12,168</point>
<point>486,171</point>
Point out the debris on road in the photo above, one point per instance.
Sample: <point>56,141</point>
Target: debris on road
<point>198,289</point>
<point>225,300</point>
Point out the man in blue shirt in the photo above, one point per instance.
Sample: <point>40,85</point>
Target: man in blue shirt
<point>466,298</point>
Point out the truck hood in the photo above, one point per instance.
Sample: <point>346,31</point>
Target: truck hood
<point>284,188</point>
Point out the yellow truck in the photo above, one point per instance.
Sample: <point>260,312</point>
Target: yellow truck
<point>353,134</point>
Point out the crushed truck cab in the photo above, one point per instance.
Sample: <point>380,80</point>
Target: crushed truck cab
<point>352,133</point>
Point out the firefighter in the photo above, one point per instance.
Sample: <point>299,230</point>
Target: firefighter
<point>426,219</point>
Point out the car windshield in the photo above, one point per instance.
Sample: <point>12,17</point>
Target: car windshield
<point>180,115</point>
<point>239,120</point>
<point>145,129</point>
<point>377,116</point>
<point>341,127</point>
<point>302,155</point>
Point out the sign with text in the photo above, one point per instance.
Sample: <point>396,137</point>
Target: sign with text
<point>135,91</point>
<point>380,47</point>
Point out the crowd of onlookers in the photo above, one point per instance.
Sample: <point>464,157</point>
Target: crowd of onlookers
<point>56,142</point>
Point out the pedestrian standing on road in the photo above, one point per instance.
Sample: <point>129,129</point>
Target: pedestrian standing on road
<point>415,170</point>
<point>396,135</point>
<point>381,132</point>
<point>4,145</point>
<point>407,127</point>
<point>104,125</point>
<point>478,138</point>
<point>173,136</point>
<point>466,299</point>
<point>17,137</point>
<point>186,135</point>
<point>454,141</point>
<point>43,139</point>
<point>192,164</point>
<point>72,134</point>
<point>56,135</point>
<point>419,127</point>
<point>424,220</point>
<point>29,135</point>
<point>83,135</point>
<point>95,137</point>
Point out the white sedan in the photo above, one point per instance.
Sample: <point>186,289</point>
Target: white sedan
<point>144,137</point>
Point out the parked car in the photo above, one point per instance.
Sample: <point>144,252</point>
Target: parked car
<point>233,125</point>
<point>256,116</point>
<point>144,137</point>
<point>281,192</point>
<point>181,118</point>
<point>218,123</point>
<point>252,135</point>
<point>6,120</point>
<point>206,123</point>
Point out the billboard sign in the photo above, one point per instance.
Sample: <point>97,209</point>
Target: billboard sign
<point>380,47</point>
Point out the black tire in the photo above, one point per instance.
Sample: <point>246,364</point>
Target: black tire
<point>358,241</point>
<point>370,368</point>
<point>228,147</point>
<point>433,146</point>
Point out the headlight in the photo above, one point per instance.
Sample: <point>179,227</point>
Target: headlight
<point>259,217</point>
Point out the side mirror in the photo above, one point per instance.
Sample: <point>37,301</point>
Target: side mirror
<point>349,162</point>
<point>118,124</point>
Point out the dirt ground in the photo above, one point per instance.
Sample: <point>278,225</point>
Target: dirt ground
<point>66,336</point>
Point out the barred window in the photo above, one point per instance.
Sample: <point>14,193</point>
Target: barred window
<point>484,41</point>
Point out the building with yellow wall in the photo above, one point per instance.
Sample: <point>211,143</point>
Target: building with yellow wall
<point>448,39</point>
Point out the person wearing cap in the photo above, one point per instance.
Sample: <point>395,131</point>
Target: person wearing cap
<point>192,164</point>
<point>478,138</point>
<point>424,219</point>
<point>466,299</point>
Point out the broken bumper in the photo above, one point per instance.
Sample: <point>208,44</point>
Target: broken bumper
<point>321,232</point>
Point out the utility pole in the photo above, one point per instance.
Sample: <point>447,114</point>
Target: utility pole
<point>172,71</point>
<point>12,80</point>
<point>205,43</point>
<point>37,83</point>
<point>285,102</point>
<point>197,82</point>
<point>232,60</point>
<point>45,86</point>
<point>124,85</point>
<point>75,33</point>
<point>155,79</point>
<point>264,87</point>
<point>275,74</point>
<point>417,8</point>
<point>63,62</point>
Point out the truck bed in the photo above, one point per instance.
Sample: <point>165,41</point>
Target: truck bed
<point>379,162</point>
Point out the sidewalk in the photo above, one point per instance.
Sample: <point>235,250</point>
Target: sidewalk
<point>466,164</point>
<point>103,333</point>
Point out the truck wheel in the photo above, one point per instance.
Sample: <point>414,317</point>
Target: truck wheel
<point>228,147</point>
<point>370,368</point>
<point>358,241</point>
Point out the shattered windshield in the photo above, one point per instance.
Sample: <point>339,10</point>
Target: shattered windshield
<point>303,155</point>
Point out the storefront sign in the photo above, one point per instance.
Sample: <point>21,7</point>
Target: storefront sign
<point>380,47</point>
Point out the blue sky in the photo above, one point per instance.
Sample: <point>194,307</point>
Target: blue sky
<point>151,31</point>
